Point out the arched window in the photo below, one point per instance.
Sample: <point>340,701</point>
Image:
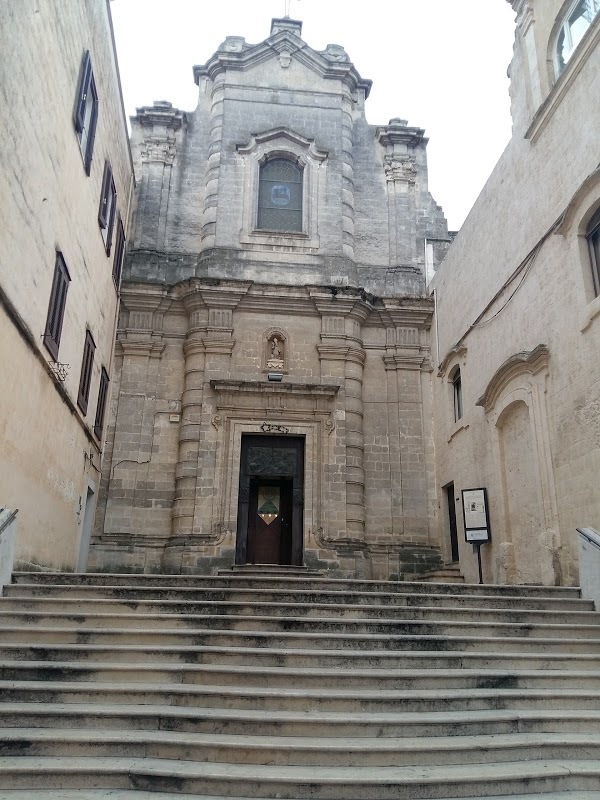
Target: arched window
<point>577,20</point>
<point>592,234</point>
<point>457,394</point>
<point>280,196</point>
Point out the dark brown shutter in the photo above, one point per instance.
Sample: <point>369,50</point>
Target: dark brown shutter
<point>119,253</point>
<point>89,148</point>
<point>101,407</point>
<point>104,195</point>
<point>86,372</point>
<point>111,221</point>
<point>85,75</point>
<point>56,306</point>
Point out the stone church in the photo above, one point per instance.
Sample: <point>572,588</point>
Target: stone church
<point>272,394</point>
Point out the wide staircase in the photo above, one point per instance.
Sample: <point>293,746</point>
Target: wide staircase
<point>261,684</point>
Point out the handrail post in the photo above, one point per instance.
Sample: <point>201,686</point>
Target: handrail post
<point>8,536</point>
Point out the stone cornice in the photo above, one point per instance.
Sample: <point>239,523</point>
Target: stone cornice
<point>148,349</point>
<point>337,352</point>
<point>160,114</point>
<point>531,362</point>
<point>326,390</point>
<point>398,132</point>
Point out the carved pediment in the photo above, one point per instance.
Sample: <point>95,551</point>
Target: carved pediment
<point>236,54</point>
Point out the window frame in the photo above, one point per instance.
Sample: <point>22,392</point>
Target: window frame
<point>56,306</point>
<point>592,237</point>
<point>86,96</point>
<point>108,207</point>
<point>119,257</point>
<point>266,162</point>
<point>564,29</point>
<point>101,404</point>
<point>87,365</point>
<point>457,394</point>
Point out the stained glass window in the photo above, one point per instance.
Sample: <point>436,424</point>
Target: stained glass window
<point>280,196</point>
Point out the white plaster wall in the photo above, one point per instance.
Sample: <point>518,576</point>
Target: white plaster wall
<point>530,188</point>
<point>48,203</point>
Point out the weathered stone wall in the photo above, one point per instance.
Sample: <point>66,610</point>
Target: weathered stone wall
<point>49,456</point>
<point>205,289</point>
<point>516,311</point>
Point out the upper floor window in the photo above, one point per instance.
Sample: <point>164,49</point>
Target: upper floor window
<point>577,20</point>
<point>85,379</point>
<point>119,253</point>
<point>280,196</point>
<point>592,235</point>
<point>56,306</point>
<point>108,206</point>
<point>86,111</point>
<point>457,394</point>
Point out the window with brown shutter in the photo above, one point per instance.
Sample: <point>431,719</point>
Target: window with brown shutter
<point>101,407</point>
<point>108,206</point>
<point>56,306</point>
<point>85,115</point>
<point>119,253</point>
<point>87,363</point>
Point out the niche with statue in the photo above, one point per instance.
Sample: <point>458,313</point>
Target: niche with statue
<point>275,351</point>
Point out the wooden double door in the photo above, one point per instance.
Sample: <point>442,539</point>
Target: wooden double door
<point>271,500</point>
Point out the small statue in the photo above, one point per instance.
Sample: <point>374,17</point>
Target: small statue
<point>275,360</point>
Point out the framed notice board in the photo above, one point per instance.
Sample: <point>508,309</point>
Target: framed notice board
<point>476,516</point>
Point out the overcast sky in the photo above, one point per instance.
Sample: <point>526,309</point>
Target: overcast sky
<point>440,64</point>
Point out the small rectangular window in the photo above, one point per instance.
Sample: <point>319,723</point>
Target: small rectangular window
<point>56,306</point>
<point>85,115</point>
<point>87,363</point>
<point>457,394</point>
<point>101,407</point>
<point>108,206</point>
<point>119,253</point>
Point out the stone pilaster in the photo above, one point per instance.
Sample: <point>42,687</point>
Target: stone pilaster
<point>347,179</point>
<point>401,173</point>
<point>407,365</point>
<point>209,215</point>
<point>155,137</point>
<point>342,359</point>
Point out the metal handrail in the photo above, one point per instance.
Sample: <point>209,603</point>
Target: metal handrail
<point>592,536</point>
<point>8,520</point>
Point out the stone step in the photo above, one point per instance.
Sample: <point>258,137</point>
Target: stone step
<point>126,794</point>
<point>192,624</point>
<point>186,594</point>
<point>526,623</point>
<point>30,610</point>
<point>296,699</point>
<point>300,657</point>
<point>290,583</point>
<point>324,783</point>
<point>327,639</point>
<point>299,750</point>
<point>309,677</point>
<point>450,573</point>
<point>306,723</point>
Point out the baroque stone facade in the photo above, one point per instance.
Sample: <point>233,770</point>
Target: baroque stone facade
<point>309,335</point>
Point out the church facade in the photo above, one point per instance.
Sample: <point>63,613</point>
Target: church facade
<point>273,394</point>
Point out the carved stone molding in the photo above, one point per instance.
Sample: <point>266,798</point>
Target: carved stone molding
<point>400,170</point>
<point>158,150</point>
<point>531,362</point>
<point>457,352</point>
